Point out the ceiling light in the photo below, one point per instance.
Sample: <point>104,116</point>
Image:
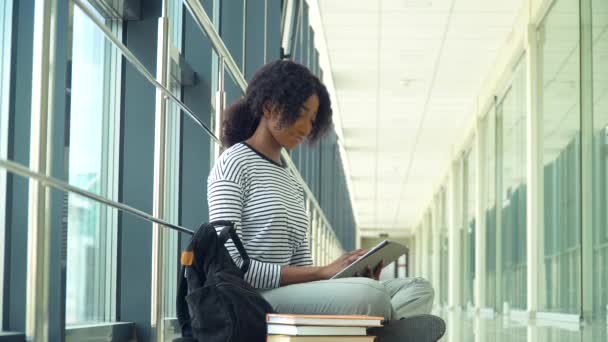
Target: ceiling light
<point>418,3</point>
<point>406,82</point>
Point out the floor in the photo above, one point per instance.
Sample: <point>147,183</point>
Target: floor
<point>465,326</point>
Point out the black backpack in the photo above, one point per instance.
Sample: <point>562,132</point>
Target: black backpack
<point>214,302</point>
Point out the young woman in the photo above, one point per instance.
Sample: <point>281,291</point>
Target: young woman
<point>284,106</point>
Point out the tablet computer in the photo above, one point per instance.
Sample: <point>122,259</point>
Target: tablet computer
<point>389,251</point>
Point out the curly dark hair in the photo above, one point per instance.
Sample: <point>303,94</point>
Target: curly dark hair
<point>285,85</point>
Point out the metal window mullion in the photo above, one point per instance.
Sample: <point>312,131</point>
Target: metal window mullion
<point>160,175</point>
<point>455,248</point>
<point>220,103</point>
<point>108,183</point>
<point>587,142</point>
<point>535,177</point>
<point>38,245</point>
<point>113,113</point>
<point>5,34</point>
<point>480,201</point>
<point>287,25</point>
<point>498,189</point>
<point>265,31</point>
<point>436,256</point>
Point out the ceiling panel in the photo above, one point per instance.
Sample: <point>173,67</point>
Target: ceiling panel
<point>406,76</point>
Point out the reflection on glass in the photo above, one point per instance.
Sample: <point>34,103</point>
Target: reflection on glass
<point>513,197</point>
<point>90,249</point>
<point>467,236</point>
<point>559,241</point>
<point>600,157</point>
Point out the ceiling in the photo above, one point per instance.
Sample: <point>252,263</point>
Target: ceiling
<point>406,75</point>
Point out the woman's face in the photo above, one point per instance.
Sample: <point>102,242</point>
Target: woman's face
<point>289,137</point>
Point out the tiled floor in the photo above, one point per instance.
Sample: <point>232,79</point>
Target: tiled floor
<point>464,327</point>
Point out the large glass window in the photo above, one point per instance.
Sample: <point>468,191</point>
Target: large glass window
<point>512,113</point>
<point>559,240</point>
<point>93,159</point>
<point>467,235</point>
<point>600,156</point>
<point>6,12</point>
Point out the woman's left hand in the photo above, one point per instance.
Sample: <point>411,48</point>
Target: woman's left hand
<point>372,274</point>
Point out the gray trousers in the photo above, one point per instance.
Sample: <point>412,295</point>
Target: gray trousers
<point>392,299</point>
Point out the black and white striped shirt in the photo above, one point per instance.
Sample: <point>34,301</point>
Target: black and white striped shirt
<point>267,204</point>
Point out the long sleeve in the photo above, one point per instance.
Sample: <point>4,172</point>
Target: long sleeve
<point>226,203</point>
<point>302,256</point>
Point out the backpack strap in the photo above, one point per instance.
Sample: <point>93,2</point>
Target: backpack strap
<point>183,315</point>
<point>230,233</point>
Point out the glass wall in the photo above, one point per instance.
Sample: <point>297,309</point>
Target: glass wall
<point>600,156</point>
<point>93,151</point>
<point>6,9</point>
<point>504,179</point>
<point>559,242</point>
<point>513,140</point>
<point>467,236</point>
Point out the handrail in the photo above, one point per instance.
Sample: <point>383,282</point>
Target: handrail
<point>51,182</point>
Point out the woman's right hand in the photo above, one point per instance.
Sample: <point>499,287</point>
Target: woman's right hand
<point>341,263</point>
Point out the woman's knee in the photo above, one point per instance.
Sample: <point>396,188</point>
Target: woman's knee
<point>368,295</point>
<point>425,287</point>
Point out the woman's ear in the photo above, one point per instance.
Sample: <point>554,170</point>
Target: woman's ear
<point>268,108</point>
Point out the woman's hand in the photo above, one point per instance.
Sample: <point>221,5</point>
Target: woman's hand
<point>372,274</point>
<point>341,263</point>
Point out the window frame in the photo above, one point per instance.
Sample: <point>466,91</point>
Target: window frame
<point>6,28</point>
<point>106,290</point>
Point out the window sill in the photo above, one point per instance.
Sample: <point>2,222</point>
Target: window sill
<point>118,331</point>
<point>7,336</point>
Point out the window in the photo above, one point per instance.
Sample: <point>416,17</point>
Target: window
<point>559,282</point>
<point>93,166</point>
<point>6,13</point>
<point>512,114</point>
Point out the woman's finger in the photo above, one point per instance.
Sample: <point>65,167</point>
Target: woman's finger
<point>378,270</point>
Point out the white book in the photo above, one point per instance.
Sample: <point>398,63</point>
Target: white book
<point>294,330</point>
<point>283,338</point>
<point>326,320</point>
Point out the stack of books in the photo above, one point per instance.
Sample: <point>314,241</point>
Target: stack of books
<point>320,328</point>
